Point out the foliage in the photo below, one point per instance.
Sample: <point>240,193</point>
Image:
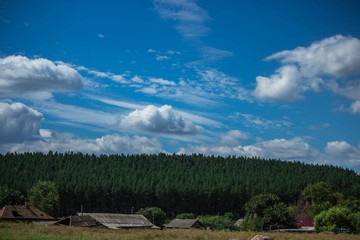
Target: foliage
<point>186,216</point>
<point>353,204</point>
<point>154,214</point>
<point>318,208</point>
<point>354,220</point>
<point>333,219</point>
<point>217,222</point>
<point>44,196</point>
<point>318,193</point>
<point>10,196</point>
<point>266,211</point>
<point>252,222</point>
<point>203,185</point>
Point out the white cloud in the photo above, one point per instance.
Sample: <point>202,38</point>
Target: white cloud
<point>19,75</point>
<point>284,85</point>
<point>162,58</point>
<point>120,78</point>
<point>159,120</point>
<point>100,35</point>
<point>343,153</point>
<point>162,81</point>
<point>232,138</point>
<point>187,13</point>
<point>256,122</point>
<point>329,63</point>
<point>137,79</point>
<point>18,123</point>
<point>284,149</point>
<point>355,107</point>
<point>108,144</point>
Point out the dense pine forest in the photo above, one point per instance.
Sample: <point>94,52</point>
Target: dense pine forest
<point>176,183</point>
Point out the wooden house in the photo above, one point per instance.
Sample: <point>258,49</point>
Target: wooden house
<point>185,224</point>
<point>24,213</point>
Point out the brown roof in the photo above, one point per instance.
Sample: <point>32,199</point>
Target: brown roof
<point>23,212</point>
<point>185,223</point>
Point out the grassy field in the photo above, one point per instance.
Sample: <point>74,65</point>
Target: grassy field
<point>29,231</point>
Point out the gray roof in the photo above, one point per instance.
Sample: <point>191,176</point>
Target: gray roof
<point>185,223</point>
<point>115,221</point>
<point>80,221</point>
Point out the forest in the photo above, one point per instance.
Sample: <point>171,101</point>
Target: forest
<point>195,183</point>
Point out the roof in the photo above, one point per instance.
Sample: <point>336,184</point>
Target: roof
<point>114,221</point>
<point>185,223</point>
<point>80,221</point>
<point>24,212</point>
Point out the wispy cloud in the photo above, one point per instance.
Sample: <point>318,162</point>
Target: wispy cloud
<point>188,15</point>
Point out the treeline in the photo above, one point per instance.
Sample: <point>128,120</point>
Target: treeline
<point>176,183</point>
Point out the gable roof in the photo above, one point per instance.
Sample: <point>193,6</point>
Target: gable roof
<point>80,221</point>
<point>185,223</point>
<point>24,212</point>
<point>115,221</point>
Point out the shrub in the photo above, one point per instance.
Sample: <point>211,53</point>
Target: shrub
<point>333,219</point>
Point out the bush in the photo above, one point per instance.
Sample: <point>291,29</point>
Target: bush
<point>333,219</point>
<point>218,222</point>
<point>252,223</point>
<point>354,220</point>
<point>45,196</point>
<point>154,214</point>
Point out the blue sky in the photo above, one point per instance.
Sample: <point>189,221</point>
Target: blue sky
<point>273,79</point>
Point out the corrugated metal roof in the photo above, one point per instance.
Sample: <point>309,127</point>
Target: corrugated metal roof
<point>184,223</point>
<point>24,212</point>
<point>114,221</point>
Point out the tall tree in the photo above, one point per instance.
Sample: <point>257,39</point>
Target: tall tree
<point>44,196</point>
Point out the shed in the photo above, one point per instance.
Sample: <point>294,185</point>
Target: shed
<point>304,220</point>
<point>24,213</point>
<point>80,221</point>
<point>116,221</point>
<point>185,224</point>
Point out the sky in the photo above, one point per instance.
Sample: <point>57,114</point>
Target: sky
<point>270,79</point>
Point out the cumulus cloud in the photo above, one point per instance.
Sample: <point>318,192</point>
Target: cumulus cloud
<point>108,144</point>
<point>343,152</point>
<point>332,63</point>
<point>355,107</point>
<point>19,75</point>
<point>18,123</point>
<point>232,137</point>
<point>159,120</point>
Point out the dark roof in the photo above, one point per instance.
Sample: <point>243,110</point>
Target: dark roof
<point>185,223</point>
<point>113,220</point>
<point>80,221</point>
<point>23,212</point>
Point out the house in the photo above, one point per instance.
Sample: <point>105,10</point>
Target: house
<point>24,213</point>
<point>185,224</point>
<point>116,221</point>
<point>80,221</point>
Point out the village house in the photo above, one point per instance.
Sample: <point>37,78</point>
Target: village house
<point>185,224</point>
<point>108,220</point>
<point>23,213</point>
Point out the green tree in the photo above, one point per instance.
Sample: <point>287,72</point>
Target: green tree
<point>154,214</point>
<point>10,196</point>
<point>266,211</point>
<point>44,196</point>
<point>333,219</point>
<point>186,216</point>
<point>318,193</point>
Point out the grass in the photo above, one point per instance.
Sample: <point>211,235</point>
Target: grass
<point>29,231</point>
